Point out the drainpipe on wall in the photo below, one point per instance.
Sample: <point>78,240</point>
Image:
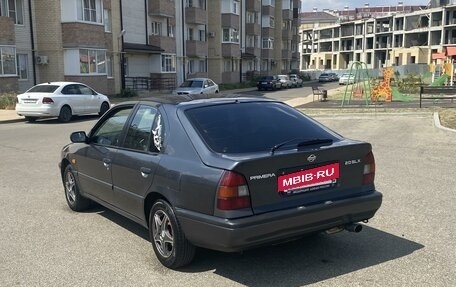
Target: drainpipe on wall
<point>121,49</point>
<point>32,41</point>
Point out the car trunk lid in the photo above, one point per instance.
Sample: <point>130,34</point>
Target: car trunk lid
<point>305,177</point>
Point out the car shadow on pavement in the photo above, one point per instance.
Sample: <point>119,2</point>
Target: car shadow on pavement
<point>304,261</point>
<point>308,260</point>
<point>53,121</point>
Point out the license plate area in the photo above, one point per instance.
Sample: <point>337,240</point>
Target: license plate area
<point>309,179</point>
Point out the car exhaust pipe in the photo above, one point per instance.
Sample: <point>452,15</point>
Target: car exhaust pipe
<point>354,227</point>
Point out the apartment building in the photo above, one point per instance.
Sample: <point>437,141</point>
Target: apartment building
<point>67,40</point>
<point>226,40</point>
<point>407,35</point>
<point>151,44</point>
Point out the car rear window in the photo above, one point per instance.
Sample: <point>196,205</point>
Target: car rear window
<point>43,89</point>
<point>253,126</point>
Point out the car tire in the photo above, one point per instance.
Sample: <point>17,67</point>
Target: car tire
<point>31,119</point>
<point>103,108</point>
<point>171,247</point>
<point>65,114</point>
<point>73,198</point>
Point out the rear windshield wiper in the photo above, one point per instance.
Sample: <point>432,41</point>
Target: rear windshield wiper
<point>302,142</point>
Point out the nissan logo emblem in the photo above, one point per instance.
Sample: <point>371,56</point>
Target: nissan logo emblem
<point>312,158</point>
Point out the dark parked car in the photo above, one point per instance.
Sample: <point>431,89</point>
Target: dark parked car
<point>269,83</point>
<point>334,77</point>
<point>226,174</point>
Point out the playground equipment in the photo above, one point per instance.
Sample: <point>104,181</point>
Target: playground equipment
<point>440,81</point>
<point>384,87</point>
<point>361,83</point>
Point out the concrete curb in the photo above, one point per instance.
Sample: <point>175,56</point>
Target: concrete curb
<point>438,125</point>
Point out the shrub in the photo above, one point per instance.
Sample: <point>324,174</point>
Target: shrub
<point>7,101</point>
<point>128,93</point>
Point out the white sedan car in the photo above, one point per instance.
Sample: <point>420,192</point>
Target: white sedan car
<point>62,100</point>
<point>197,86</point>
<point>347,79</point>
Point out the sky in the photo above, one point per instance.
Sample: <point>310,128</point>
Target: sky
<point>308,5</point>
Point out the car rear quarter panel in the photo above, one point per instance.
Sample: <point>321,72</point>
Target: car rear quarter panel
<point>182,176</point>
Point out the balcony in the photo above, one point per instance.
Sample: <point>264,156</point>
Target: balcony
<point>230,20</point>
<point>267,32</point>
<point>252,29</point>
<point>165,43</point>
<point>267,10</point>
<point>286,54</point>
<point>267,53</point>
<point>231,50</point>
<point>287,34</point>
<point>195,15</point>
<point>196,48</point>
<point>164,8</point>
<point>253,51</point>
<point>253,5</point>
<point>7,32</point>
<point>287,14</point>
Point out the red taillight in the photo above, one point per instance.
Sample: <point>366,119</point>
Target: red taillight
<point>369,169</point>
<point>47,100</point>
<point>233,192</point>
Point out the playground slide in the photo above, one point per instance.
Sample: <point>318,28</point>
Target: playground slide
<point>398,96</point>
<point>440,80</point>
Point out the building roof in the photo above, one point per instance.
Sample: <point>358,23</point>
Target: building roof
<point>317,17</point>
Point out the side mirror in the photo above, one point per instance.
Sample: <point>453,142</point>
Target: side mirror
<point>78,137</point>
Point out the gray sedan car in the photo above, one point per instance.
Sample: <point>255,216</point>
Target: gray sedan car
<point>227,174</point>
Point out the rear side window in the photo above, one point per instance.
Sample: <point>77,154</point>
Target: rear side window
<point>252,127</point>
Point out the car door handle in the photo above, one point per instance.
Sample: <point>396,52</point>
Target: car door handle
<point>107,162</point>
<point>145,172</point>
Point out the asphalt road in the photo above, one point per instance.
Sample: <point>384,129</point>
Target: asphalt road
<point>410,242</point>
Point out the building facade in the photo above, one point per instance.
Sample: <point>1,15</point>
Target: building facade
<point>152,44</point>
<point>395,36</point>
<point>67,40</point>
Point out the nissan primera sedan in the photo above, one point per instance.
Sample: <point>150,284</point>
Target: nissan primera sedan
<point>227,174</point>
<point>60,99</point>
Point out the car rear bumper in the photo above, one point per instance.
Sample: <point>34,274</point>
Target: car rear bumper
<point>41,111</point>
<point>232,235</point>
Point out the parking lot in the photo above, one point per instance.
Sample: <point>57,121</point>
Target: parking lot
<point>410,242</point>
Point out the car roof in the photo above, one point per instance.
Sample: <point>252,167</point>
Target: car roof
<point>198,99</point>
<point>59,83</point>
<point>198,79</point>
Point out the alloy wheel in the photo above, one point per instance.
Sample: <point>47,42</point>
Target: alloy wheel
<point>163,234</point>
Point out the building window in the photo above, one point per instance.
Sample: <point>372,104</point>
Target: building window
<point>168,63</point>
<point>268,43</point>
<point>7,61</point>
<point>189,3</point>
<point>236,7</point>
<point>109,67</point>
<point>22,66</point>
<point>202,4</point>
<point>227,65</point>
<point>230,35</point>
<point>13,9</point>
<point>190,34</point>
<point>190,66</point>
<point>202,66</point>
<point>107,20</point>
<point>92,61</point>
<point>202,35</point>
<point>90,10</point>
<point>271,22</point>
<point>252,17</point>
<point>269,3</point>
<point>170,30</point>
<point>156,29</point>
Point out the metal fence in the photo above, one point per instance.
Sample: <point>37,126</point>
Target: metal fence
<point>148,84</point>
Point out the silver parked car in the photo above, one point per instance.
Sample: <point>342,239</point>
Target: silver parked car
<point>197,86</point>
